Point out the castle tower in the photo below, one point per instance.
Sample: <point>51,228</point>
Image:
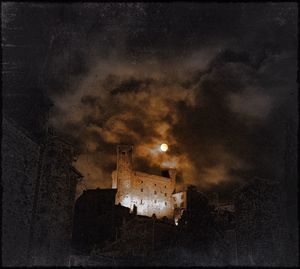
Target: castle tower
<point>124,173</point>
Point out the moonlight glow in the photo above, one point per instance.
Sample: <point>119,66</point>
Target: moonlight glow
<point>164,147</point>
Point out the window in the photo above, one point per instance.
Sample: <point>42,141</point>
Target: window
<point>165,194</point>
<point>154,192</point>
<point>165,186</point>
<point>142,190</point>
<point>154,184</point>
<point>155,201</point>
<point>165,203</point>
<point>141,201</point>
<point>141,181</point>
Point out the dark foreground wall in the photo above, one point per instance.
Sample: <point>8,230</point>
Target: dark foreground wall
<point>39,184</point>
<point>52,228</point>
<point>19,168</point>
<point>96,219</point>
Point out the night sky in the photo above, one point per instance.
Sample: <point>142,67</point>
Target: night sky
<point>216,82</point>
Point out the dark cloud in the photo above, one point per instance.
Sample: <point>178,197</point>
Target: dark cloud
<point>217,82</point>
<point>131,84</point>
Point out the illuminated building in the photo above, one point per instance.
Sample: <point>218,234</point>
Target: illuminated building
<point>150,194</point>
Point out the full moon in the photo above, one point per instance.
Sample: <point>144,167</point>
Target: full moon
<point>164,147</point>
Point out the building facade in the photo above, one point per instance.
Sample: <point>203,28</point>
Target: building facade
<point>52,221</point>
<point>39,184</point>
<point>20,154</point>
<point>150,194</point>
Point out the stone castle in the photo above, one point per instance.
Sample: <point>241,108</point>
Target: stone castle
<point>150,194</point>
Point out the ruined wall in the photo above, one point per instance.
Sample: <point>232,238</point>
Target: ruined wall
<point>179,200</point>
<point>19,168</point>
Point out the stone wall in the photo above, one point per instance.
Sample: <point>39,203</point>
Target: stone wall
<point>19,170</point>
<point>179,200</point>
<point>55,202</point>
